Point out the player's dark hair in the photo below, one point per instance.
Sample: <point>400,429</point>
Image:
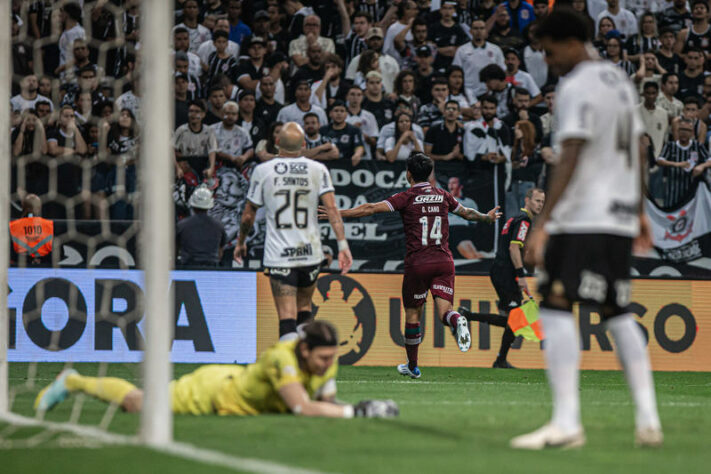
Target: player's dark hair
<point>650,84</point>
<point>216,88</point>
<point>334,59</point>
<point>562,24</point>
<point>41,102</point>
<point>702,2</point>
<point>490,99</point>
<point>522,91</point>
<point>73,11</point>
<point>418,21</point>
<point>492,71</point>
<point>439,81</point>
<point>180,29</point>
<point>695,49</point>
<point>451,101</point>
<point>311,114</point>
<point>666,76</point>
<point>420,166</point>
<point>320,334</point>
<point>665,31</point>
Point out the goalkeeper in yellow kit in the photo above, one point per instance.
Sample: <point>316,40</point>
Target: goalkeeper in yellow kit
<point>296,377</point>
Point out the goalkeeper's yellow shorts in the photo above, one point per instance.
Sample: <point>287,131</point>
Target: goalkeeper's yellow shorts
<point>195,393</point>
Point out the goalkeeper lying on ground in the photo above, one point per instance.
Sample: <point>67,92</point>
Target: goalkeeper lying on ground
<point>296,377</point>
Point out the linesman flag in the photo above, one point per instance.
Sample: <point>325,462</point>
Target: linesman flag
<point>524,321</point>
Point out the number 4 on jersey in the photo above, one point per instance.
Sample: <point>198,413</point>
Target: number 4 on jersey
<point>435,234</point>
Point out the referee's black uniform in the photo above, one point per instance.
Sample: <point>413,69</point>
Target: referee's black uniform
<point>504,278</point>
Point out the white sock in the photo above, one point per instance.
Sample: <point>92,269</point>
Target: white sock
<point>562,352</point>
<point>289,336</point>
<point>634,358</point>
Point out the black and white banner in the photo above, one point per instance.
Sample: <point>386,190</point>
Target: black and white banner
<point>683,234</point>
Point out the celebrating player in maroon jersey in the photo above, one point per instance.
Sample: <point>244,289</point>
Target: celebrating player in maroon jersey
<point>428,262</point>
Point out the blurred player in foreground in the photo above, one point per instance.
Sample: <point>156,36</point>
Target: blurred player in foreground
<point>428,262</point>
<point>593,213</point>
<point>507,273</point>
<point>296,377</point>
<point>289,187</point>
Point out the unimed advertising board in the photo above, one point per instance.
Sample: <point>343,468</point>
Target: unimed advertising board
<point>367,310</point>
<point>95,315</point>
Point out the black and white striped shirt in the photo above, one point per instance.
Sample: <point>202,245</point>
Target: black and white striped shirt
<point>376,8</point>
<point>679,181</point>
<point>354,46</point>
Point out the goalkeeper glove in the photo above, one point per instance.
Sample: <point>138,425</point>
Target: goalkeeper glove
<point>376,409</point>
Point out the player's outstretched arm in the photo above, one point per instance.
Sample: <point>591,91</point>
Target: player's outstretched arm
<point>367,209</point>
<point>298,401</point>
<point>345,259</point>
<point>248,216</point>
<point>474,215</point>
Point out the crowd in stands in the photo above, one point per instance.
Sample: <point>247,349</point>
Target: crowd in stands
<point>367,79</point>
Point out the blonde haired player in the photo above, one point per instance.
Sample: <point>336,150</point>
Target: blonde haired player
<point>297,376</point>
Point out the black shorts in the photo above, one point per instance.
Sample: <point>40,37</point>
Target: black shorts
<point>300,277</point>
<point>503,278</point>
<point>587,268</point>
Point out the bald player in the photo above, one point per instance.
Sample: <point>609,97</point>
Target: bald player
<point>289,187</point>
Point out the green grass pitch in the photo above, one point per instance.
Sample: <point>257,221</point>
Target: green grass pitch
<point>452,420</point>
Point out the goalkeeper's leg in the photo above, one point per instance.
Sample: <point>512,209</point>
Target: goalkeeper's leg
<point>107,389</point>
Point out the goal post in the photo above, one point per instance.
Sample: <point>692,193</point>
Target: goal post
<point>5,79</point>
<point>157,226</point>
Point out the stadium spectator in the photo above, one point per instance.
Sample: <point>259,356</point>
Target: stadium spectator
<point>208,47</point>
<point>215,101</point>
<point>251,123</point>
<point>443,140</point>
<point>424,73</point>
<point>667,57</point>
<point>195,145</point>
<point>362,119</point>
<point>389,129</point>
<point>355,39</point>
<point>181,43</point>
<point>547,122</point>
<point>540,10</point>
<point>649,70</point>
<point>667,99</point>
<point>645,40</point>
<point>606,26</point>
<point>502,33</point>
<point>519,78</point>
<point>613,53</point>
<point>692,106</point>
<point>312,71</point>
<point>266,149</point>
<point>534,59</point>
<point>78,62</point>
<point>405,90</point>
<point>277,33</point>
<point>181,100</point>
<point>131,99</point>
<point>325,91</point>
<point>28,96</point>
<point>267,107</point>
<point>526,165</point>
<point>406,14</point>
<point>118,148</point>
<point>375,101</point>
<point>625,21</point>
<point>407,49</point>
<point>200,237</point>
<point>683,161</point>
<point>220,61</point>
<point>295,112</point>
<point>520,110</point>
<point>298,48</point>
<point>475,55</point>
<point>234,145</point>
<point>72,30</point>
<point>399,146</point>
<point>447,35</point>
<point>487,140</point>
<point>521,14</point>
<point>318,147</point>
<point>345,136</point>
<point>278,65</point>
<point>494,78</point>
<point>387,65</point>
<point>29,138</point>
<point>250,71</point>
<point>655,119</point>
<point>691,79</point>
<point>698,34</point>
<point>675,17</point>
<point>182,66</point>
<point>238,29</point>
<point>434,111</point>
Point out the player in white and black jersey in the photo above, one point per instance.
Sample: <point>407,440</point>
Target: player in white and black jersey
<point>593,214</point>
<point>290,186</point>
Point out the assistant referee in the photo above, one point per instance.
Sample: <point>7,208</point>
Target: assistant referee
<point>507,273</point>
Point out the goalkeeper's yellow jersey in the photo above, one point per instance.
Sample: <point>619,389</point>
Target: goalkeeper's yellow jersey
<point>250,390</point>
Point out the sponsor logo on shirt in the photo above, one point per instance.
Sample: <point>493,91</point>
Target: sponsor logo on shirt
<point>522,231</point>
<point>428,198</point>
<point>305,251</point>
<point>298,168</point>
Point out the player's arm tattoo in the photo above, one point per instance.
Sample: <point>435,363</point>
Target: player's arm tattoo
<point>471,214</point>
<point>248,216</point>
<point>367,209</point>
